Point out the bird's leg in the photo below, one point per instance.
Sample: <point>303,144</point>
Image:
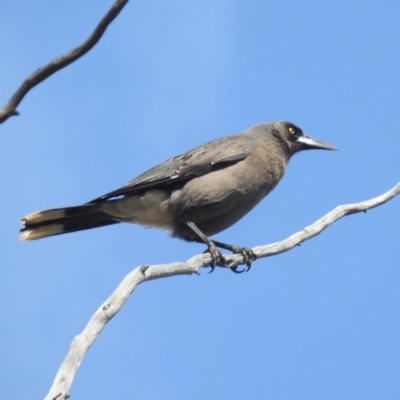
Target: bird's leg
<point>216,256</point>
<point>248,254</point>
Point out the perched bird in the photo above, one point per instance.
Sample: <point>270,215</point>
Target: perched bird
<point>194,195</point>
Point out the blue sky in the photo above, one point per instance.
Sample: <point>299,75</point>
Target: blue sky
<point>318,322</point>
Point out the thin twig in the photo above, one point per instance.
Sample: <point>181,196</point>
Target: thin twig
<point>58,63</point>
<point>81,343</point>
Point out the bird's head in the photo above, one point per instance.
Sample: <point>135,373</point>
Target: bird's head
<point>295,139</point>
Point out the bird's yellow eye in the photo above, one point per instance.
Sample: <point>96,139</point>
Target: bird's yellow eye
<point>292,130</point>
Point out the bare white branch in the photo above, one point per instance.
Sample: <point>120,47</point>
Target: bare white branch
<point>81,343</point>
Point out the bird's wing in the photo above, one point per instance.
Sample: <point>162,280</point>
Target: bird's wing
<point>218,154</point>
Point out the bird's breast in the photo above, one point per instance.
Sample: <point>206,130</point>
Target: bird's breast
<point>217,200</point>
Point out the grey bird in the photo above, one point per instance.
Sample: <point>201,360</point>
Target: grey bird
<point>194,195</point>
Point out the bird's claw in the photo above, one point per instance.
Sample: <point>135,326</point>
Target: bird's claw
<point>248,256</point>
<point>216,257</point>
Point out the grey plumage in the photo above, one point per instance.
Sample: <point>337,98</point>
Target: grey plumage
<point>209,188</point>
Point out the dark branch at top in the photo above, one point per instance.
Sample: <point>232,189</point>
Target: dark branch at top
<point>60,62</point>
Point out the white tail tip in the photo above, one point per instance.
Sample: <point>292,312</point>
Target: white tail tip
<point>42,232</point>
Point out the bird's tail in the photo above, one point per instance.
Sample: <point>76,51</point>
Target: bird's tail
<point>57,221</point>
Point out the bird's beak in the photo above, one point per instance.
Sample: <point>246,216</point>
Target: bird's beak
<point>310,143</point>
